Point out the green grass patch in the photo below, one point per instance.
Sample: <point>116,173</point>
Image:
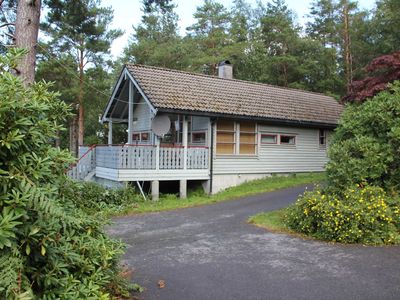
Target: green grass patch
<point>196,198</point>
<point>271,220</point>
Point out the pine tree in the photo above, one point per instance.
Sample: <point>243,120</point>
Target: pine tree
<point>81,28</point>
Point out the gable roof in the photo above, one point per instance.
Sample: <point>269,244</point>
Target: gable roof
<point>172,90</point>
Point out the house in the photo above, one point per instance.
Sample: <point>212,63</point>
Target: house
<point>185,126</point>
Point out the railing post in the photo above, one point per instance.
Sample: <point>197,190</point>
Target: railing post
<point>157,153</point>
<point>185,141</point>
<point>110,132</point>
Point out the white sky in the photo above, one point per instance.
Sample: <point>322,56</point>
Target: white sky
<point>128,13</point>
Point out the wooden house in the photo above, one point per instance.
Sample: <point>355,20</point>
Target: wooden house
<point>185,126</point>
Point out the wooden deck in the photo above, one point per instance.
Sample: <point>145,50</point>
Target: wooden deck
<point>142,163</point>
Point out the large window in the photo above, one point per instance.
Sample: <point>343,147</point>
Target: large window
<point>226,137</point>
<point>236,138</point>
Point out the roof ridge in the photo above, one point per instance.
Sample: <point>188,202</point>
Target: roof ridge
<point>233,79</point>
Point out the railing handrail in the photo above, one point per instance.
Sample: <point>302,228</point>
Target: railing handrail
<point>80,158</point>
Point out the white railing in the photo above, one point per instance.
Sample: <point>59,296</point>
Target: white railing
<point>171,157</point>
<point>84,165</point>
<point>139,157</point>
<point>197,158</point>
<point>143,157</point>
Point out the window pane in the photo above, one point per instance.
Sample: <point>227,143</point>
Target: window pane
<point>225,148</point>
<point>322,137</point>
<point>135,137</point>
<point>225,137</point>
<point>286,139</point>
<point>199,137</point>
<point>268,139</point>
<point>226,125</point>
<point>247,138</point>
<point>145,136</point>
<point>247,149</point>
<point>248,126</point>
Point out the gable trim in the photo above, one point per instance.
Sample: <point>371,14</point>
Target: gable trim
<point>152,108</point>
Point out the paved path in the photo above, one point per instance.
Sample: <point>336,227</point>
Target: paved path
<point>210,252</point>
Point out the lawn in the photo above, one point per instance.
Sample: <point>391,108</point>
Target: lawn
<point>271,220</point>
<point>196,198</point>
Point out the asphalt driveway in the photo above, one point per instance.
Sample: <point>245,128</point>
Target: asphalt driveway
<point>210,252</point>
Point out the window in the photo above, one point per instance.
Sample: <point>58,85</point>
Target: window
<point>269,139</point>
<point>144,136</point>
<point>236,138</point>
<point>287,140</point>
<point>198,137</point>
<point>136,137</point>
<point>322,138</point>
<point>226,137</point>
<point>247,138</point>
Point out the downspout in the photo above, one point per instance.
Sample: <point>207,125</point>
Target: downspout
<point>212,156</point>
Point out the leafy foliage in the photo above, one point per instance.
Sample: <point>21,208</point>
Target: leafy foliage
<point>361,203</point>
<point>383,70</point>
<point>49,248</point>
<point>367,142</point>
<point>358,215</point>
<point>94,198</point>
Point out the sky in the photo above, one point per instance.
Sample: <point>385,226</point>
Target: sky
<point>127,13</point>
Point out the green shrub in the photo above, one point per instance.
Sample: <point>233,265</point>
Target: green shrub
<point>358,215</point>
<point>94,198</point>
<point>49,248</point>
<point>366,145</point>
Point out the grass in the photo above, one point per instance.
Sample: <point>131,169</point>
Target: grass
<point>271,220</point>
<point>196,198</point>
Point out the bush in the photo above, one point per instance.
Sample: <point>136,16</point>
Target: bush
<point>93,198</point>
<point>49,248</point>
<point>366,145</point>
<point>358,215</point>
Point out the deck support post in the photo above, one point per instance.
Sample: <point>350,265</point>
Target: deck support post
<point>183,188</point>
<point>130,112</point>
<point>155,190</point>
<point>110,132</point>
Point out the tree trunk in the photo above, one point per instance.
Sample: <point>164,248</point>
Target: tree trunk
<point>347,47</point>
<point>26,36</point>
<point>81,113</point>
<point>73,145</point>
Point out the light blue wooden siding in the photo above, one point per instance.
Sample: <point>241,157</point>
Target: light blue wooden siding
<point>142,116</point>
<point>305,156</point>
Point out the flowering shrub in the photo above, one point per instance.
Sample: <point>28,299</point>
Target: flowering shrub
<point>359,215</point>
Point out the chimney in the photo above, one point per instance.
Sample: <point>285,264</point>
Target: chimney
<point>225,69</point>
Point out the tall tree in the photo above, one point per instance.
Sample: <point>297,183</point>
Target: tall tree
<point>280,36</point>
<point>81,28</point>
<point>26,36</point>
<point>210,35</point>
<point>155,40</point>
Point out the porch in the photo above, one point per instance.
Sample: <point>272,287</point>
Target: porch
<point>142,163</point>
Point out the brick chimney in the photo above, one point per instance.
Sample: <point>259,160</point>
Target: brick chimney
<point>225,69</point>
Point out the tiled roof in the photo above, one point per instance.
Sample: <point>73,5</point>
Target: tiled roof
<point>190,92</point>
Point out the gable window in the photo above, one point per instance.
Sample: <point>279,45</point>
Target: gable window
<point>287,140</point>
<point>269,139</point>
<point>322,138</point>
<point>247,138</point>
<point>226,137</point>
